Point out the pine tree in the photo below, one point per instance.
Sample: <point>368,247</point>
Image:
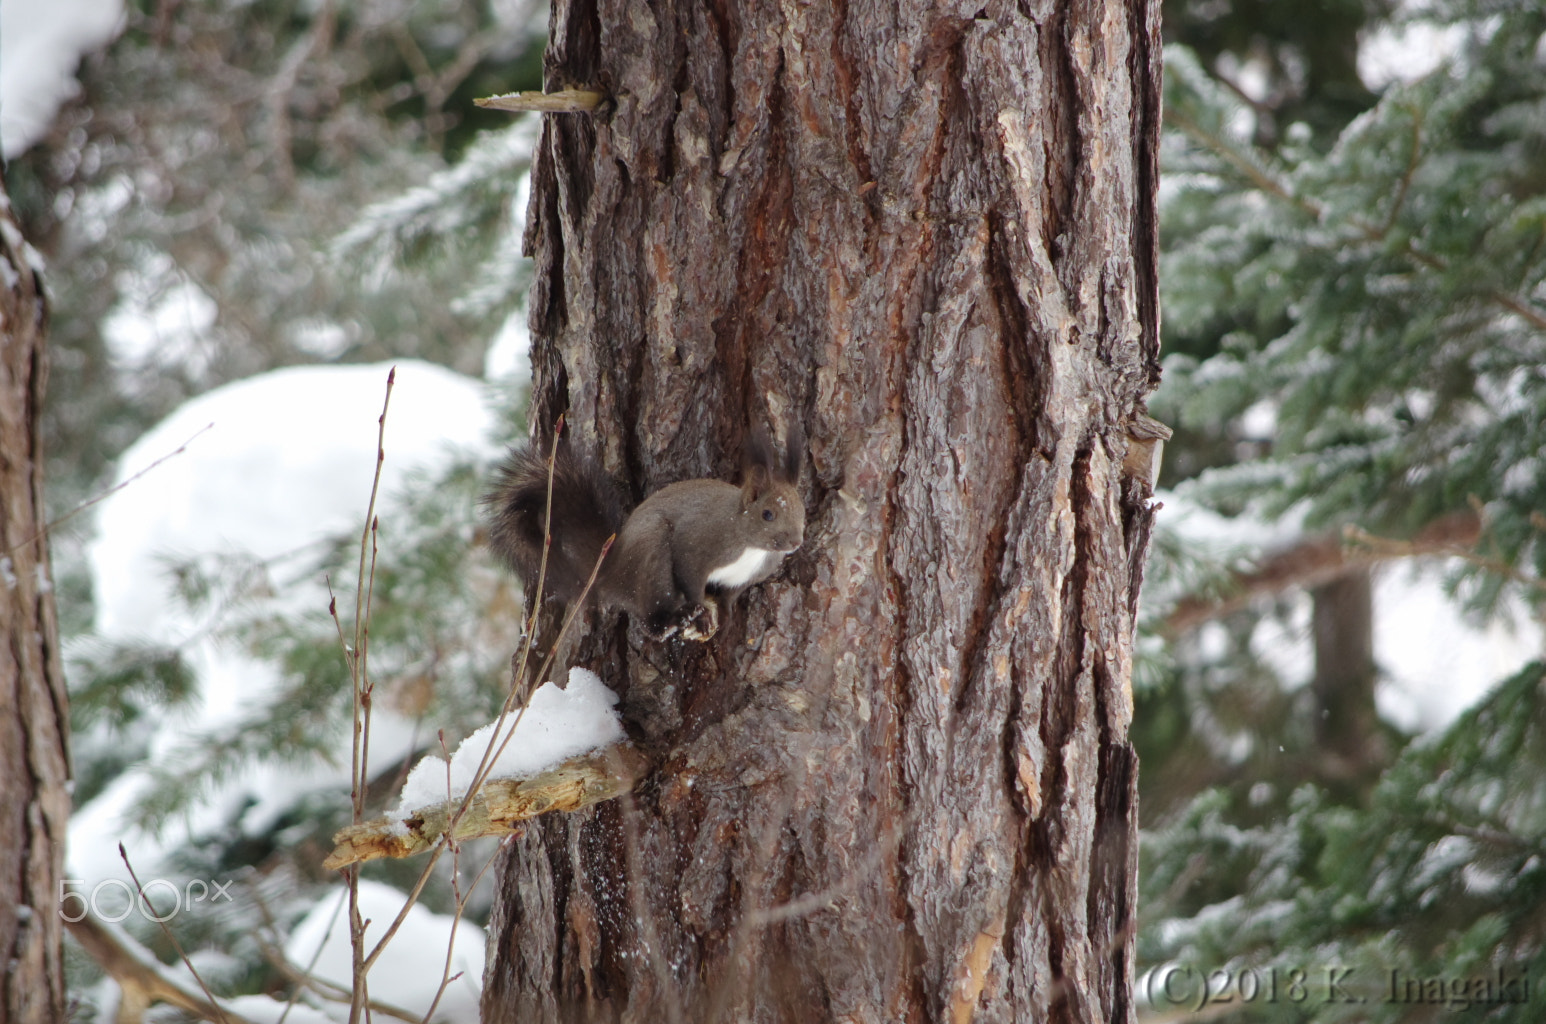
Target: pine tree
<point>897,784</point>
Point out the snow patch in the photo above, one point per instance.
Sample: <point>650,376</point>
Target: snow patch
<point>287,463</point>
<point>1433,664</point>
<point>1406,52</point>
<point>409,971</point>
<point>40,46</point>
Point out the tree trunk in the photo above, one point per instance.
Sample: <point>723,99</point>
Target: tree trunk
<point>898,784</point>
<point>1350,741</point>
<point>34,766</point>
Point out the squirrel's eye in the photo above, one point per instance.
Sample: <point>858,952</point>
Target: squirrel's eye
<point>767,515</point>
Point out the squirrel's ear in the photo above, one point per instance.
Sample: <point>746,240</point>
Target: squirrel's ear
<point>794,450</point>
<point>754,484</point>
<point>758,453</point>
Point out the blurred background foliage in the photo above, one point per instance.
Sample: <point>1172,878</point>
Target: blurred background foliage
<point>1354,290</point>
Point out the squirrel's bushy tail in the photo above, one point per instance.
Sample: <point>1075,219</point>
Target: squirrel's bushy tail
<point>586,511</point>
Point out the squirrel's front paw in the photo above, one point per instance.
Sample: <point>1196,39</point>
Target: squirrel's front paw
<point>702,622</point>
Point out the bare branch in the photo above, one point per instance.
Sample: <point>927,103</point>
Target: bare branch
<point>83,506</point>
<point>140,975</point>
<point>1320,560</point>
<point>498,806</point>
<point>561,102</point>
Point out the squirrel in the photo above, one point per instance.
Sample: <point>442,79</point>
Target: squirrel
<point>687,548</point>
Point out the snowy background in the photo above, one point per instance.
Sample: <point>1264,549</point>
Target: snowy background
<point>275,463</point>
<point>40,46</point>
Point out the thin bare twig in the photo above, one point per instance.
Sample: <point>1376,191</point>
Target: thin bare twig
<point>83,506</point>
<point>446,977</point>
<point>485,766</point>
<point>138,972</point>
<point>304,979</point>
<point>311,965</point>
<point>490,755</point>
<point>359,669</point>
<point>167,931</point>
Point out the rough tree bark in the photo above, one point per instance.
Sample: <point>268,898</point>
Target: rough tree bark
<point>34,766</point>
<point>898,785</point>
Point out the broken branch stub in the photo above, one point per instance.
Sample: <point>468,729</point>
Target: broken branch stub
<point>500,804</point>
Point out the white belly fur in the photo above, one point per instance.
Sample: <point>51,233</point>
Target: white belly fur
<point>753,565</point>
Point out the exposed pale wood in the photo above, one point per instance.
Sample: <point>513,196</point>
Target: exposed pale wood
<point>560,102</point>
<point>499,806</point>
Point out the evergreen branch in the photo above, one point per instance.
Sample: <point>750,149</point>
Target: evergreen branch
<point>1256,174</point>
<point>1483,834</point>
<point>491,161</point>
<point>1520,308</point>
<point>1266,182</point>
<point>1405,184</point>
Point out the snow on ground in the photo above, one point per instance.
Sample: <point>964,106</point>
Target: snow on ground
<point>412,965</point>
<point>286,459</point>
<point>40,45</point>
<point>1406,52</point>
<point>1434,664</point>
<point>557,725</point>
<point>407,976</point>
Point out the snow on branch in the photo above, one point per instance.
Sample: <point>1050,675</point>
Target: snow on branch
<point>499,806</point>
<point>566,750</point>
